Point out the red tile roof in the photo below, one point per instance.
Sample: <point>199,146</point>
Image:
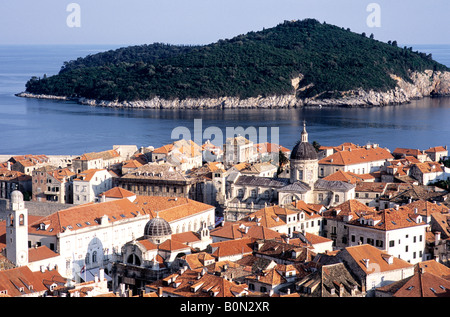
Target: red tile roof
<point>356,156</point>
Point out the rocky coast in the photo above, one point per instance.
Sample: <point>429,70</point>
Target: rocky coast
<point>421,84</point>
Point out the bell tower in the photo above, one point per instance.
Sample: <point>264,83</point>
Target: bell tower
<point>17,230</point>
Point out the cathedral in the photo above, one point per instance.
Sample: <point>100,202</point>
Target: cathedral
<point>250,193</point>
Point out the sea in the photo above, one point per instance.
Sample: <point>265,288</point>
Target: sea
<point>38,126</point>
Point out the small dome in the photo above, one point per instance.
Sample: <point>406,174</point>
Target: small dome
<point>157,227</point>
<point>304,151</point>
<point>16,197</point>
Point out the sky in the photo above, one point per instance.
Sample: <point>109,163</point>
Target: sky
<point>135,22</point>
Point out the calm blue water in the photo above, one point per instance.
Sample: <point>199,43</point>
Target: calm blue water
<point>51,127</point>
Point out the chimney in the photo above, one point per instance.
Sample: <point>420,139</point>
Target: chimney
<point>366,263</point>
<point>160,291</point>
<point>437,237</point>
<point>9,166</point>
<point>102,274</point>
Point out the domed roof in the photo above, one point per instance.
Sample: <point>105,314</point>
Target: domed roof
<point>157,227</point>
<point>303,150</point>
<point>16,197</point>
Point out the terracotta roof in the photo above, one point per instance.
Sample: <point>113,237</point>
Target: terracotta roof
<point>105,155</point>
<point>172,245</point>
<point>344,177</point>
<point>7,175</point>
<point>40,253</point>
<point>436,149</point>
<point>410,152</point>
<point>118,192</point>
<point>61,174</point>
<point>86,215</point>
<point>356,156</point>
<point>21,281</point>
<point>132,164</point>
<point>388,219</point>
<point>165,149</point>
<point>232,247</point>
<point>428,167</point>
<point>270,277</point>
<point>270,148</point>
<point>193,284</point>
<point>350,207</point>
<point>196,261</point>
<point>377,259</point>
<point>434,267</point>
<point>371,187</point>
<point>424,285</point>
<point>170,208</point>
<point>87,175</point>
<point>427,208</point>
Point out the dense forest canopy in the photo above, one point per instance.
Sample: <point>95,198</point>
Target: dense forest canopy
<point>331,59</point>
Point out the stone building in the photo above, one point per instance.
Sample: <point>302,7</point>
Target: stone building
<point>164,179</point>
<point>53,185</point>
<point>249,193</point>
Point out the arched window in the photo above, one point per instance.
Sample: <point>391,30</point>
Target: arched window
<point>336,198</point>
<point>21,220</point>
<point>87,259</point>
<point>94,257</point>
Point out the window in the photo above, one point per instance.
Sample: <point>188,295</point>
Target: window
<point>406,249</point>
<point>336,198</point>
<point>353,238</point>
<point>391,243</point>
<point>94,257</point>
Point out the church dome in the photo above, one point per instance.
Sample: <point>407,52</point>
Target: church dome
<point>303,150</point>
<point>157,227</point>
<point>16,197</point>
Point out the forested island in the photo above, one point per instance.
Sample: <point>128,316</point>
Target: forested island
<point>308,61</point>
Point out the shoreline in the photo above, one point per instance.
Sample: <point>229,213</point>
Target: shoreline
<point>423,84</point>
<point>224,102</point>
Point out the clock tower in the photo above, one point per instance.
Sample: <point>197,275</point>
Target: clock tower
<point>17,230</point>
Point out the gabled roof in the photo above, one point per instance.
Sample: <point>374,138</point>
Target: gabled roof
<point>436,149</point>
<point>434,267</point>
<point>170,208</point>
<point>191,283</point>
<point>377,259</point>
<point>118,192</point>
<point>388,219</point>
<point>344,177</point>
<point>424,284</point>
<point>172,245</point>
<point>357,156</point>
<point>21,281</point>
<point>351,207</point>
<point>105,155</point>
<point>232,247</point>
<point>87,175</point>
<point>40,253</point>
<point>86,215</point>
<point>426,208</point>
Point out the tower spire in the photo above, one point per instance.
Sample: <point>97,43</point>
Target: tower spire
<point>304,133</point>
